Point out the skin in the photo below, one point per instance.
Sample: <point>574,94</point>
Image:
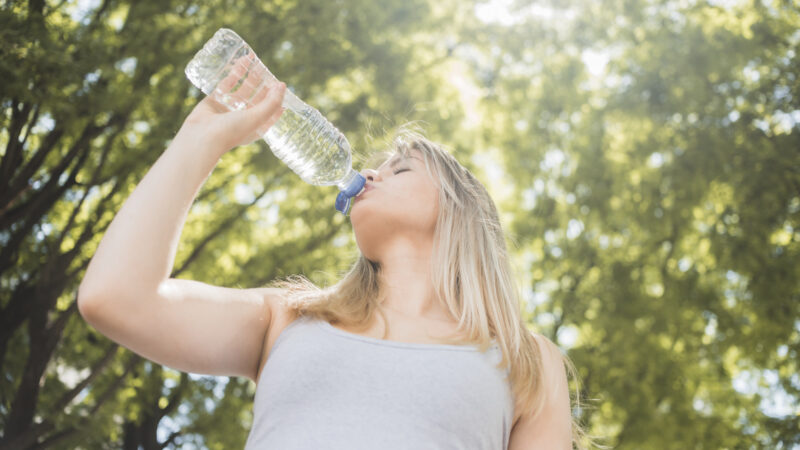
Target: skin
<point>394,221</point>
<point>133,301</point>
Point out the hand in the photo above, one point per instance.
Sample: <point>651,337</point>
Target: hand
<point>212,124</point>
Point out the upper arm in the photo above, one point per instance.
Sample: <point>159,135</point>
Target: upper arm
<point>189,325</point>
<point>552,427</point>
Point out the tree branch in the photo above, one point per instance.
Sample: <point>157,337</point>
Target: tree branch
<point>13,155</point>
<point>176,396</point>
<point>16,184</point>
<point>171,438</point>
<point>134,359</point>
<point>220,229</point>
<point>94,372</point>
<point>92,183</point>
<point>52,190</point>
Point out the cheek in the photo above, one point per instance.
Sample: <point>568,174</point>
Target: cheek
<point>430,207</point>
<point>416,208</point>
<point>419,210</point>
<point>426,209</point>
<point>375,221</point>
<point>371,228</point>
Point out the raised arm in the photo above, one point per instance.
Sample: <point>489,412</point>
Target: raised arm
<point>127,293</point>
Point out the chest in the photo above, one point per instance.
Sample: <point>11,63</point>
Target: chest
<point>355,382</point>
<point>416,332</point>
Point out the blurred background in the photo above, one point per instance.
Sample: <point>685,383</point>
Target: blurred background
<point>645,156</point>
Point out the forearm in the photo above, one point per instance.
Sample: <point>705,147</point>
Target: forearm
<point>138,249</point>
<point>137,252</point>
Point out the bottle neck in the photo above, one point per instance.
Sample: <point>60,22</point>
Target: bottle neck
<point>350,186</point>
<point>352,183</point>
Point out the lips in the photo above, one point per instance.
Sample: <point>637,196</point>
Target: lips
<point>367,187</point>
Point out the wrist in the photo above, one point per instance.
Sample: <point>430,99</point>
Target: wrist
<point>199,144</point>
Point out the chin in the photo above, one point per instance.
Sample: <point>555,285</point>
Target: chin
<point>367,233</point>
<point>358,217</point>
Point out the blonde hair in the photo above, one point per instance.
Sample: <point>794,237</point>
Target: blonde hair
<point>472,276</point>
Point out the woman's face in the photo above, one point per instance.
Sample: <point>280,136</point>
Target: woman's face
<point>400,202</point>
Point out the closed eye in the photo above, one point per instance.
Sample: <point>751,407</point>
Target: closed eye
<point>400,170</point>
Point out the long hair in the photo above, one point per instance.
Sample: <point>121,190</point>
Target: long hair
<point>471,274</point>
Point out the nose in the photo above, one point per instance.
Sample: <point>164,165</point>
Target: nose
<point>371,175</point>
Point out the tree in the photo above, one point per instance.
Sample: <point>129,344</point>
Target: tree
<point>92,93</point>
<point>644,156</point>
<point>657,208</point>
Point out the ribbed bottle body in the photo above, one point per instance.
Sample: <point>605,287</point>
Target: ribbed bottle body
<point>229,70</point>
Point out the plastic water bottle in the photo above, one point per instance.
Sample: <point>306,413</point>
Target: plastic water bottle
<point>227,68</point>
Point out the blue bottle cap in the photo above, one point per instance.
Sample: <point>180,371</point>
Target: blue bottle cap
<point>345,197</point>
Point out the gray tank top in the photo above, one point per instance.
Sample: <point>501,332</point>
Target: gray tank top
<point>326,388</point>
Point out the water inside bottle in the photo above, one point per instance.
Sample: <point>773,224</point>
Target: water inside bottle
<point>302,138</point>
<point>310,146</point>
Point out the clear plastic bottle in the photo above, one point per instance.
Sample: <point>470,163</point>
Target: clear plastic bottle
<point>227,68</point>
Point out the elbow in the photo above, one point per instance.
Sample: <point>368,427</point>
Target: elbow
<point>85,304</point>
<point>88,301</point>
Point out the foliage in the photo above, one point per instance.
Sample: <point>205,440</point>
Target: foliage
<point>92,94</point>
<point>657,207</point>
<point>652,204</point>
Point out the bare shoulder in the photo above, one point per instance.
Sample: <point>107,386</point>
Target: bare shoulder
<point>552,362</point>
<point>554,370</point>
<point>274,297</point>
<point>551,354</point>
<point>551,428</point>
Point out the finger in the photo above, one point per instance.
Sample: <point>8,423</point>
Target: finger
<point>256,119</point>
<point>221,95</point>
<point>263,126</point>
<point>255,83</point>
<point>263,91</point>
<point>272,120</point>
<point>252,84</point>
<point>262,129</point>
<point>231,91</point>
<point>212,104</point>
<point>263,111</point>
<point>227,84</point>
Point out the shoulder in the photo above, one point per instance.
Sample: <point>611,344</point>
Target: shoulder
<point>554,371</point>
<point>551,427</point>
<point>553,374</point>
<point>277,308</point>
<point>552,358</point>
<point>272,295</point>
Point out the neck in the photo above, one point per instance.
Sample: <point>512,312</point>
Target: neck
<point>406,278</point>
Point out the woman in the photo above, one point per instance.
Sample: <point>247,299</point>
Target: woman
<point>420,345</point>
